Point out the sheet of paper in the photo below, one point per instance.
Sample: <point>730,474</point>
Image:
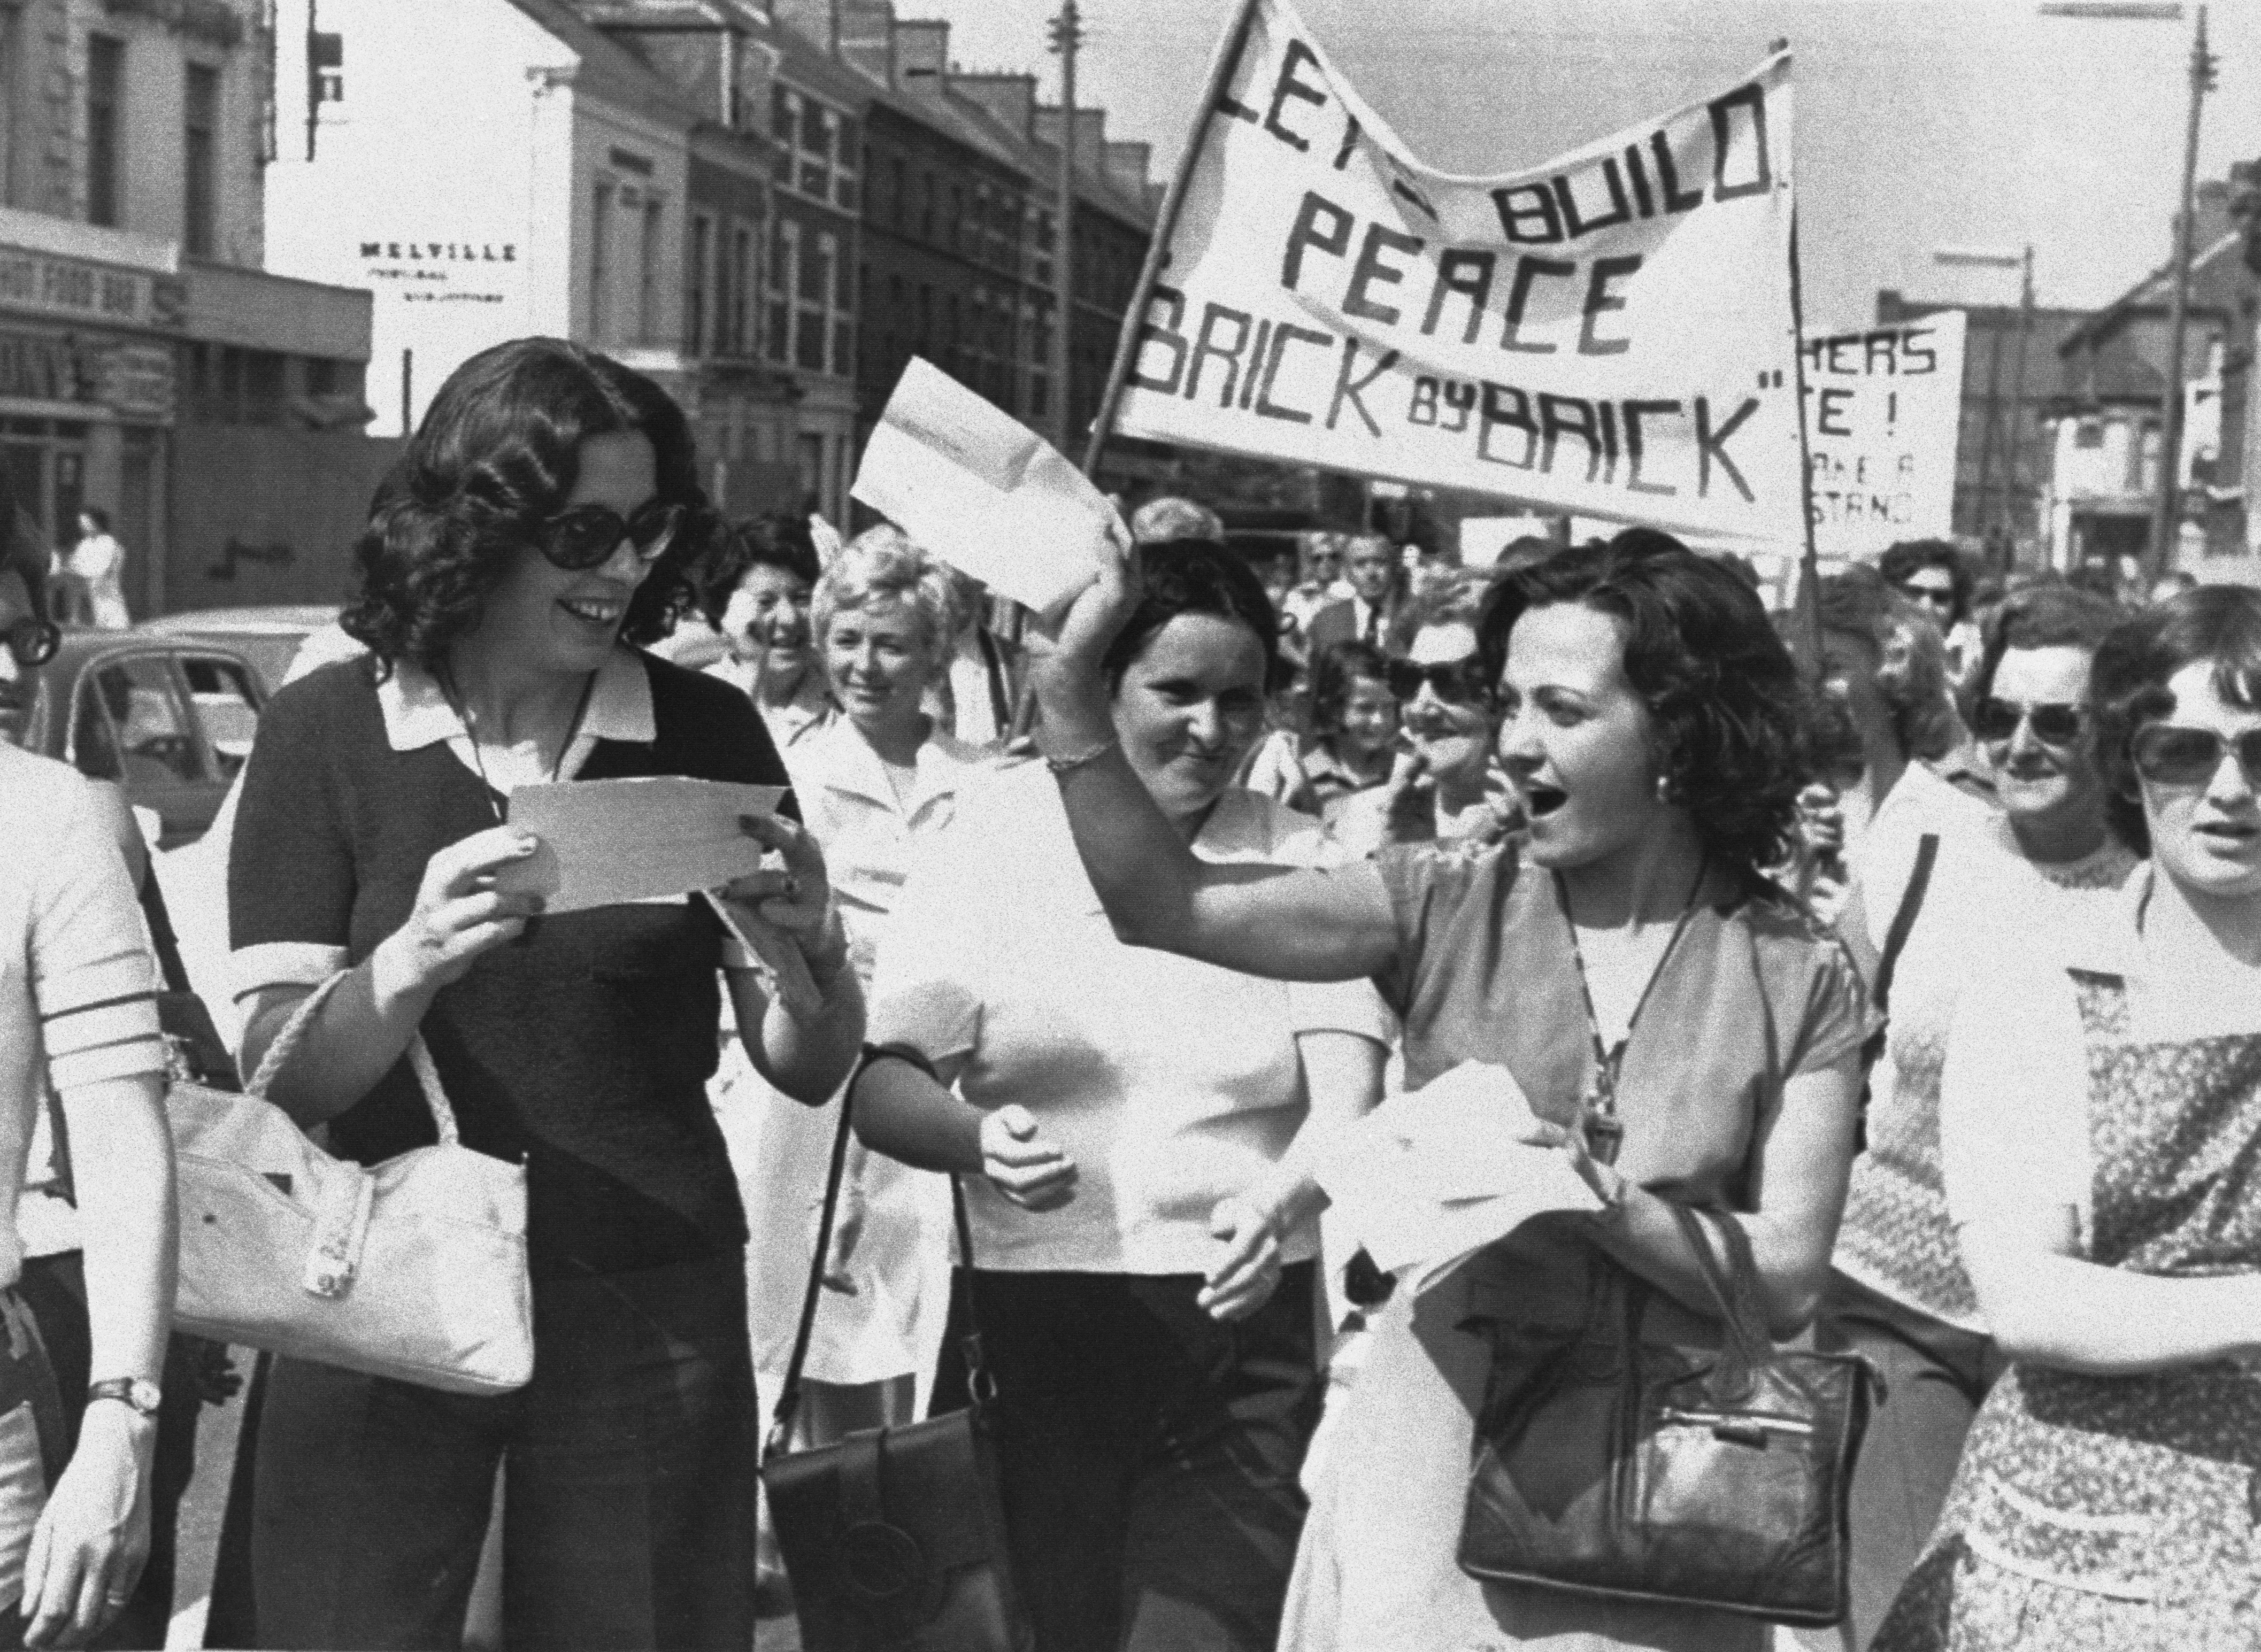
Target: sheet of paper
<point>982,492</point>
<point>1432,1175</point>
<point>604,842</point>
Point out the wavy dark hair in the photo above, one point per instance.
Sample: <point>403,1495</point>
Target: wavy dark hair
<point>498,455</point>
<point>1195,576</point>
<point>1902,561</point>
<point>2216,624</point>
<point>779,540</point>
<point>1336,672</point>
<point>2049,616</point>
<point>1700,651</point>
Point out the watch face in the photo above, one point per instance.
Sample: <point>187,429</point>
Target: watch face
<point>144,1397</point>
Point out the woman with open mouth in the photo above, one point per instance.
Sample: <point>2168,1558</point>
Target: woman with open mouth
<point>763,616</point>
<point>2098,1115</point>
<point>1685,1033</point>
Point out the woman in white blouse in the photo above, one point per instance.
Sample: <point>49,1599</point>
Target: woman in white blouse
<point>2099,1113</point>
<point>870,781</point>
<point>1121,1122</point>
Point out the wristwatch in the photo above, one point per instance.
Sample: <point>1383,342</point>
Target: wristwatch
<point>143,1395</point>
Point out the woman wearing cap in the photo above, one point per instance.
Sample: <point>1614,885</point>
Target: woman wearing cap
<point>1650,723</point>
<point>549,507</point>
<point>2098,1115</point>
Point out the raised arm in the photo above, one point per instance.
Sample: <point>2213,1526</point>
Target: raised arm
<point>1303,924</point>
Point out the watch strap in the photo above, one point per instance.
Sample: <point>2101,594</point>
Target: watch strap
<point>143,1396</point>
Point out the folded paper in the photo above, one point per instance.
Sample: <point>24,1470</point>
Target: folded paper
<point>604,842</point>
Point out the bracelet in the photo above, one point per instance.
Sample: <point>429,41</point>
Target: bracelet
<point>1613,1202</point>
<point>1074,760</point>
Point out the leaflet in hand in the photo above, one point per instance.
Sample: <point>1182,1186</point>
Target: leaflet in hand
<point>1434,1176</point>
<point>982,492</point>
<point>604,842</point>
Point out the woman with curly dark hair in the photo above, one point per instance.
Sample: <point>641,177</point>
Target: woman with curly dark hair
<point>1685,1033</point>
<point>536,528</point>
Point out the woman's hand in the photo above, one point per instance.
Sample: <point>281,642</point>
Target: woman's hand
<point>1409,799</point>
<point>1243,1278</point>
<point>1607,1185</point>
<point>1066,660</point>
<point>88,1548</point>
<point>787,918</point>
<point>459,915</point>
<point>1024,1165</point>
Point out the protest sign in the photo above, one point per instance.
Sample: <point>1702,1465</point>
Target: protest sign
<point>982,492</point>
<point>1884,409</point>
<point>1610,333</point>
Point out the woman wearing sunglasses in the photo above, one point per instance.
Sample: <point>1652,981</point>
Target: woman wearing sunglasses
<point>542,518</point>
<point>1683,1031</point>
<point>1993,883</point>
<point>1443,785</point>
<point>2099,1111</point>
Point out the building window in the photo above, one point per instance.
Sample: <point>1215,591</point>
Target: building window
<point>819,256</point>
<point>11,97</point>
<point>926,208</point>
<point>325,66</point>
<point>648,271</point>
<point>600,274</point>
<point>106,97</point>
<point>785,253</point>
<point>785,122</point>
<point>694,284</point>
<point>743,297</point>
<point>2088,432</point>
<point>845,167</point>
<point>898,189</point>
<point>199,140</point>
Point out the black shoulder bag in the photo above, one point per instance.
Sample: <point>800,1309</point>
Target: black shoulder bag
<point>1622,1466</point>
<point>894,1538</point>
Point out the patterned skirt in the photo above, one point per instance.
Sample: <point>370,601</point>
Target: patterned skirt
<point>2097,1514</point>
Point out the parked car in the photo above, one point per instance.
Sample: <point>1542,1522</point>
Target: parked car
<point>170,718</point>
<point>269,637</point>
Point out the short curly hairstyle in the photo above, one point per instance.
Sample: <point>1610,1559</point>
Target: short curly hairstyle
<point>1901,563</point>
<point>2216,624</point>
<point>1338,670</point>
<point>1195,576</point>
<point>1700,651</point>
<point>498,455</point>
<point>1911,657</point>
<point>1453,597</point>
<point>2052,616</point>
<point>780,540</point>
<point>882,562</point>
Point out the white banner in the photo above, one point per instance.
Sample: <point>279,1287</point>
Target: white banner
<point>1609,333</point>
<point>1884,410</point>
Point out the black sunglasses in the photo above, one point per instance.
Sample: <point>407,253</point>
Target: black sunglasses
<point>2169,754</point>
<point>2056,722</point>
<point>1942,596</point>
<point>586,535</point>
<point>1456,681</point>
<point>32,641</point>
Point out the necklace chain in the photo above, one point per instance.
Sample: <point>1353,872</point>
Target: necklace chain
<point>462,708</point>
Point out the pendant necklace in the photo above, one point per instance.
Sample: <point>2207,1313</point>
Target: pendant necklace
<point>1598,1111</point>
<point>462,708</point>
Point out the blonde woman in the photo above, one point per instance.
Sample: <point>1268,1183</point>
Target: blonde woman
<point>877,777</point>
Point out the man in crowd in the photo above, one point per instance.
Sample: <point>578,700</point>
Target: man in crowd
<point>1377,592</point>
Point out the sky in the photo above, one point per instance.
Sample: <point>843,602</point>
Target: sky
<point>1919,125</point>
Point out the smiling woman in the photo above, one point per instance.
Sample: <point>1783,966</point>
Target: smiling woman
<point>1685,1033</point>
<point>539,523</point>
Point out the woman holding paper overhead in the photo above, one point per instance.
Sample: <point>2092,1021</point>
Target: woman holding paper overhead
<point>1122,1125</point>
<point>548,508</point>
<point>1683,1031</point>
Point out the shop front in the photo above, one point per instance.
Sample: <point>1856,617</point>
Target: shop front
<point>89,319</point>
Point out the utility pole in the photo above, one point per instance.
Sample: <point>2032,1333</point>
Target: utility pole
<point>2018,421</point>
<point>2167,519</point>
<point>1067,37</point>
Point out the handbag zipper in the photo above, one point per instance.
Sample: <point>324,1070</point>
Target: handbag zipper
<point>1736,1425</point>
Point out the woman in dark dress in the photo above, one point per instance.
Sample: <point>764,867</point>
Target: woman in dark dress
<point>536,532</point>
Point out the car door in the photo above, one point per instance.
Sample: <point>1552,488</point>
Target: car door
<point>225,699</point>
<point>131,724</point>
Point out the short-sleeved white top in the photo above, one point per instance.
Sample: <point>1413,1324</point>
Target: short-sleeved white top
<point>1170,1082</point>
<point>2013,1099</point>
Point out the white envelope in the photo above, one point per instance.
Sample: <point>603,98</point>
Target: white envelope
<point>607,842</point>
<point>982,492</point>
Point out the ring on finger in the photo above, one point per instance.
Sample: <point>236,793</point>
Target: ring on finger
<point>792,887</point>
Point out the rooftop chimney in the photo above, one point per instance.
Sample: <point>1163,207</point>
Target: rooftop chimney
<point>922,55</point>
<point>1090,132</point>
<point>1126,165</point>
<point>1010,98</point>
<point>811,19</point>
<point>867,35</point>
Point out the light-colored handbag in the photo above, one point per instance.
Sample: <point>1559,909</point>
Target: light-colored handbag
<point>413,1269</point>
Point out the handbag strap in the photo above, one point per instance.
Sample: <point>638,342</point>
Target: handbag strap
<point>979,1381</point>
<point>293,1034</point>
<point>1927,856</point>
<point>1734,1287</point>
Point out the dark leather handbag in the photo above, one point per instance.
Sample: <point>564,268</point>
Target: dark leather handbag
<point>894,1538</point>
<point>1621,1466</point>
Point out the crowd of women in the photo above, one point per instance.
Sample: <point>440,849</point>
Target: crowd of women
<point>1929,955</point>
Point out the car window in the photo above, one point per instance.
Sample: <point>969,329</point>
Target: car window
<point>131,727</point>
<point>225,705</point>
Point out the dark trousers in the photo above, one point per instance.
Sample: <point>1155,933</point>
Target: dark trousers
<point>1936,1376</point>
<point>629,1521</point>
<point>1148,1453</point>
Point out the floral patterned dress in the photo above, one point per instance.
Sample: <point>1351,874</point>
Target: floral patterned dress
<point>2096,1513</point>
